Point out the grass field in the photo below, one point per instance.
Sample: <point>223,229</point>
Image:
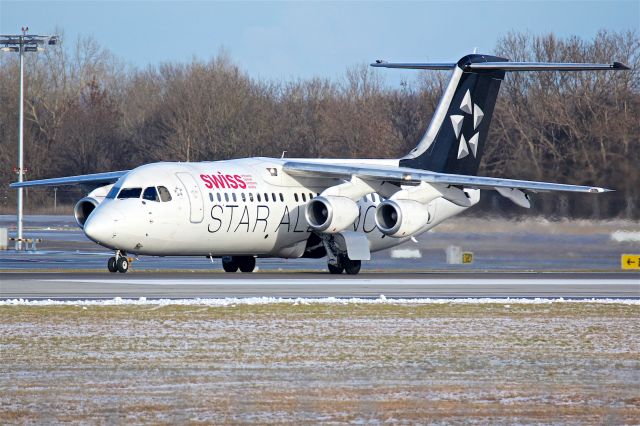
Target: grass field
<point>321,363</point>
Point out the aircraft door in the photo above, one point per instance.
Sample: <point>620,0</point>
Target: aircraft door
<point>196,203</point>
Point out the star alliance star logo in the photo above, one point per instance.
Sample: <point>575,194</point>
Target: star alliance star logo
<point>457,120</point>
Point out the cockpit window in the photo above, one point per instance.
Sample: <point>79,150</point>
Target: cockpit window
<point>113,192</point>
<point>150,194</point>
<point>165,195</point>
<point>130,193</point>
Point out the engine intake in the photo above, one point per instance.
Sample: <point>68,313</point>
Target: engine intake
<point>83,209</point>
<point>401,218</point>
<point>331,214</point>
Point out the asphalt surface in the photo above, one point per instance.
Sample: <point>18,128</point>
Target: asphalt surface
<point>100,285</point>
<point>511,259</point>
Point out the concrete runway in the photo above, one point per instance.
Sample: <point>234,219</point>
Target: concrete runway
<point>69,266</point>
<point>71,286</point>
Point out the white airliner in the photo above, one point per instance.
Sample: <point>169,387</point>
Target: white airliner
<point>291,208</point>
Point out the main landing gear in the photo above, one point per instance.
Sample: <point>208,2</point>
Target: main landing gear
<point>233,263</point>
<point>118,263</point>
<point>343,263</point>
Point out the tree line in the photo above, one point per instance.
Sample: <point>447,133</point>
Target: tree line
<point>86,111</point>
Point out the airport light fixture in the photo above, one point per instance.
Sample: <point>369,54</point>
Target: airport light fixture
<point>22,43</point>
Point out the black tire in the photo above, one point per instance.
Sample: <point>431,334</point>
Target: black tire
<point>336,270</point>
<point>229,265</point>
<point>247,264</point>
<point>111,265</point>
<point>352,267</point>
<point>123,264</point>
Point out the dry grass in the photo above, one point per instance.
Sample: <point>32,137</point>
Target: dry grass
<point>569,363</point>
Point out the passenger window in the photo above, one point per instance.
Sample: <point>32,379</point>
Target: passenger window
<point>233,195</point>
<point>258,197</point>
<point>304,197</point>
<point>226,197</point>
<point>295,196</point>
<point>251,197</point>
<point>130,193</point>
<point>219,197</point>
<point>310,196</point>
<point>211,197</point>
<point>281,197</point>
<point>165,195</point>
<point>273,196</point>
<point>244,197</point>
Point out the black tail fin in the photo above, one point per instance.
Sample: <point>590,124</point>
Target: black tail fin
<point>455,138</point>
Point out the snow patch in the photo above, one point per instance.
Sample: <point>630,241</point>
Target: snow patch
<point>234,301</point>
<point>406,254</point>
<point>626,236</point>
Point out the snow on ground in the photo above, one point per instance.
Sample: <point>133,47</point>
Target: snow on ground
<point>233,301</point>
<point>523,361</point>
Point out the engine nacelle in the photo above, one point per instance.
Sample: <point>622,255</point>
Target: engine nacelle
<point>83,209</point>
<point>88,204</point>
<point>401,218</point>
<point>331,214</point>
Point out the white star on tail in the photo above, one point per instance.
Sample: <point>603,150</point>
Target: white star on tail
<point>457,120</point>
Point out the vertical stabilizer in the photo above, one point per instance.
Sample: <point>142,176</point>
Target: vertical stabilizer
<point>455,139</point>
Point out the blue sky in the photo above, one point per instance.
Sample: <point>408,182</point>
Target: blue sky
<point>290,40</point>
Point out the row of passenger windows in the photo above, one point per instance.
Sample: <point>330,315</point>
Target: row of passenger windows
<point>150,193</point>
<point>251,197</point>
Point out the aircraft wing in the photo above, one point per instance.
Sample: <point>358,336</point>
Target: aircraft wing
<point>95,178</point>
<point>404,175</point>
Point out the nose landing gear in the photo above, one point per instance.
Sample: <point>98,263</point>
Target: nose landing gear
<point>118,263</point>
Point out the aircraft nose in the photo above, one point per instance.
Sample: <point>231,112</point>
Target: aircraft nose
<point>101,226</point>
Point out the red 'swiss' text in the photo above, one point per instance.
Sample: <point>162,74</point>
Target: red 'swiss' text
<point>223,181</point>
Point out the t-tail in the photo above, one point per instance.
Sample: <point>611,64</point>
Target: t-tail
<point>454,141</point>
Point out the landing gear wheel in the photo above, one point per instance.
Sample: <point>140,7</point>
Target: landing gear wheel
<point>122,264</point>
<point>111,265</point>
<point>351,267</point>
<point>246,264</point>
<point>335,269</point>
<point>229,265</point>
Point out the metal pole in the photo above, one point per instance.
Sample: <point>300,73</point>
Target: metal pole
<point>20,142</point>
<point>55,198</point>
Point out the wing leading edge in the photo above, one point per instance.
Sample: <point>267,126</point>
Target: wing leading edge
<point>95,178</point>
<point>405,175</point>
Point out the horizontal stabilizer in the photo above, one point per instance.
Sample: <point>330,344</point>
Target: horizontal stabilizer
<point>504,66</point>
<point>415,66</point>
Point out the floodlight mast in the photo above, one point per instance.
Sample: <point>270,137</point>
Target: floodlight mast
<point>23,43</point>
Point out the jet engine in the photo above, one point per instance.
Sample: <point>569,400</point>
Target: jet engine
<point>331,214</point>
<point>83,209</point>
<point>401,218</point>
<point>88,204</point>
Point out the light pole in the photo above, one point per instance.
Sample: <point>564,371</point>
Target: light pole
<point>23,43</point>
